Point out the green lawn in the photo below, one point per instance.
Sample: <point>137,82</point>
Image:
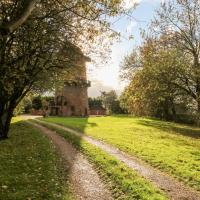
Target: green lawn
<point>171,147</point>
<point>30,168</point>
<point>124,183</point>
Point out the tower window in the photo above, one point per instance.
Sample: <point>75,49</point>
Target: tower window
<point>72,108</point>
<point>86,112</point>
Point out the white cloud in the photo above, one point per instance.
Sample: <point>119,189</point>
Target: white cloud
<point>130,26</point>
<point>106,77</point>
<point>128,4</point>
<point>96,87</point>
<point>155,1</point>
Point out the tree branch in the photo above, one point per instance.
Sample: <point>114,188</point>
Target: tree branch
<point>27,8</point>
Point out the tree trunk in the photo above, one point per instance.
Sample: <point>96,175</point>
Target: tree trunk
<point>197,72</point>
<point>198,102</point>
<point>5,119</point>
<point>173,108</point>
<point>166,109</point>
<point>198,112</point>
<point>6,111</point>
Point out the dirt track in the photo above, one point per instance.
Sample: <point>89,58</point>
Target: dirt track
<point>176,190</point>
<point>85,182</point>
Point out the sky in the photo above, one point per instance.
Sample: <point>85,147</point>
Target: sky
<point>106,77</point>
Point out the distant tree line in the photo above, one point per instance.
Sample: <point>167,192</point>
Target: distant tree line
<point>109,101</point>
<point>33,102</point>
<point>164,72</point>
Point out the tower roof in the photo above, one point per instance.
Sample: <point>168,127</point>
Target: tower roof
<point>74,52</point>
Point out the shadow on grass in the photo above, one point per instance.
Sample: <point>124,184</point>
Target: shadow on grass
<point>173,128</point>
<point>182,129</point>
<point>193,132</point>
<point>68,152</point>
<point>27,154</point>
<point>76,123</point>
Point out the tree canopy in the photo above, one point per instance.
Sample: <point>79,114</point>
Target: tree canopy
<point>163,73</point>
<point>41,39</point>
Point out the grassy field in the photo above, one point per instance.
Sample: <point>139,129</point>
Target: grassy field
<point>124,183</point>
<point>171,147</point>
<point>30,168</point>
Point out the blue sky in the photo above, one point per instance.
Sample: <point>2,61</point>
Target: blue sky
<point>106,77</point>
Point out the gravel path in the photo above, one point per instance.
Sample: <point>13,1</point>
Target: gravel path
<point>86,183</point>
<point>176,190</point>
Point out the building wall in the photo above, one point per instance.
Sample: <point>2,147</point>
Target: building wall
<point>75,101</point>
<point>97,112</point>
<point>72,99</point>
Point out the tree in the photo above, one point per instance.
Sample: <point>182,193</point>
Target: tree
<point>19,109</point>
<point>24,9</point>
<point>179,22</point>
<point>95,102</point>
<point>37,46</point>
<point>167,65</point>
<point>37,102</point>
<point>116,108</point>
<point>153,89</point>
<point>111,103</point>
<point>27,103</point>
<point>130,64</point>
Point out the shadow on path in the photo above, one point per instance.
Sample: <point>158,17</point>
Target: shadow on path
<point>85,181</point>
<point>175,189</point>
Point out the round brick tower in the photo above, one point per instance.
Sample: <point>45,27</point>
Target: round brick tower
<point>72,99</point>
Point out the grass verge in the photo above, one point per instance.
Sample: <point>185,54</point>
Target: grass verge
<point>124,183</point>
<point>173,148</point>
<point>30,168</point>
